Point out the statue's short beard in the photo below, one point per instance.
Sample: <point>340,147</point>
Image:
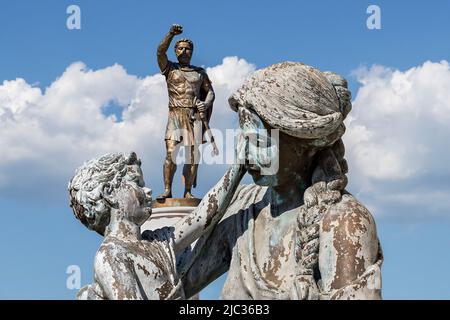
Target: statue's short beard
<point>184,59</point>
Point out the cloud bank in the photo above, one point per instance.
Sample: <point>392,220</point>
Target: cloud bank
<point>397,140</point>
<point>46,134</point>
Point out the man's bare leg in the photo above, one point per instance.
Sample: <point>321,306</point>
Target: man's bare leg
<point>169,169</point>
<point>190,171</point>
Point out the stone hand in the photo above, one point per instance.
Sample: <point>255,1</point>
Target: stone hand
<point>176,29</point>
<point>201,106</point>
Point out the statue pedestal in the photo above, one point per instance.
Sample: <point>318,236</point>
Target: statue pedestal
<point>167,212</point>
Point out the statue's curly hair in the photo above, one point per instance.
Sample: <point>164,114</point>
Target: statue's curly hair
<point>184,40</point>
<point>91,190</point>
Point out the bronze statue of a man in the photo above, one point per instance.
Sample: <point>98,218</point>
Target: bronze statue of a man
<point>191,99</point>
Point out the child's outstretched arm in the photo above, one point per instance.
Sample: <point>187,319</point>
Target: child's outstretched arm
<point>210,210</point>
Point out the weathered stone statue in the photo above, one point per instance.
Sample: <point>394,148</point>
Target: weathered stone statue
<point>191,99</point>
<point>296,234</point>
<point>108,195</point>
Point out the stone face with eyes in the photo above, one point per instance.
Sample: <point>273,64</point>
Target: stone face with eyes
<point>184,52</point>
<point>135,200</point>
<point>261,151</point>
<point>134,173</point>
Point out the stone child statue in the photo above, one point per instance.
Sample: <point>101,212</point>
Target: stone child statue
<point>296,234</point>
<point>191,99</point>
<point>107,195</point>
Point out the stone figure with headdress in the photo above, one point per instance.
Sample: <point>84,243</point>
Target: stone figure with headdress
<point>296,233</point>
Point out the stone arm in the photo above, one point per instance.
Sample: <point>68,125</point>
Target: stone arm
<point>210,210</point>
<point>210,96</point>
<point>209,259</point>
<point>162,51</point>
<point>203,106</point>
<point>349,255</point>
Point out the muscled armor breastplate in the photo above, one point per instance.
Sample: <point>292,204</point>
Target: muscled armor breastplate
<point>183,86</point>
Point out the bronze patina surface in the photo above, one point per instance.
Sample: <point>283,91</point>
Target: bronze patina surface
<point>175,202</point>
<point>191,99</point>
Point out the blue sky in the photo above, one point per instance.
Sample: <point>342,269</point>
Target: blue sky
<point>39,236</point>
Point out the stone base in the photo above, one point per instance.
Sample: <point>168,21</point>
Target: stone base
<point>167,212</point>
<point>176,202</point>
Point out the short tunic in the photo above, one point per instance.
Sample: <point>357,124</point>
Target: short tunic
<point>184,123</point>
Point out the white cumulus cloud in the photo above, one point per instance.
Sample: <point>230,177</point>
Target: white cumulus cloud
<point>46,134</point>
<point>398,137</point>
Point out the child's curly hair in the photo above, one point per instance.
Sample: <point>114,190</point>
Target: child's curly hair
<point>93,187</point>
